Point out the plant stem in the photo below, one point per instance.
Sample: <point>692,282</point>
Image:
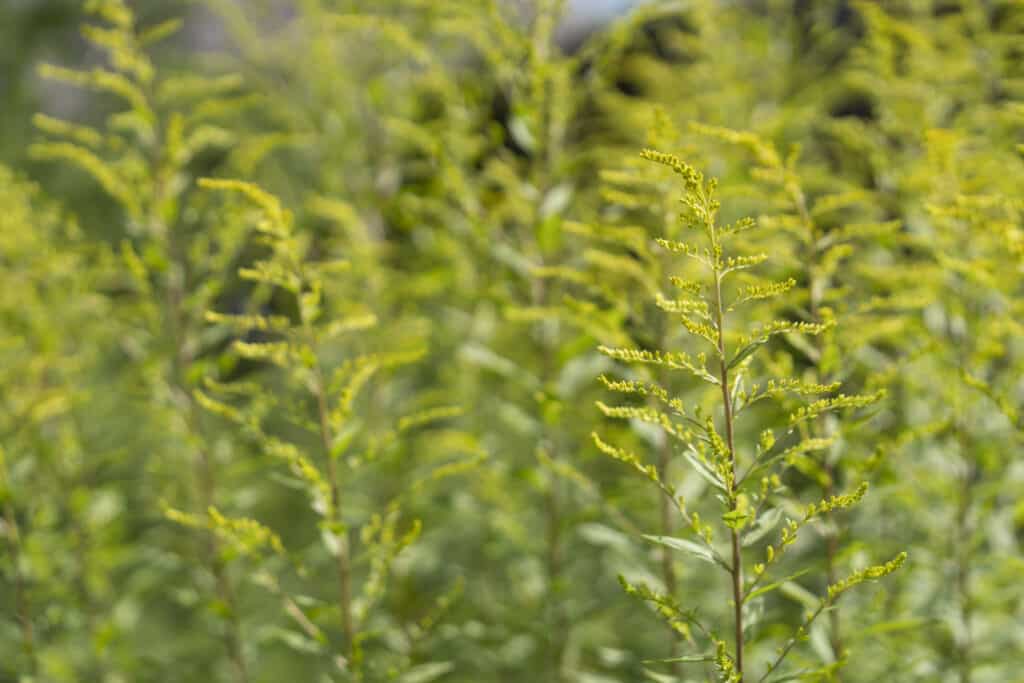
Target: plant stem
<point>831,550</point>
<point>541,170</point>
<point>20,590</point>
<point>668,572</point>
<point>162,170</point>
<point>205,479</point>
<point>342,564</point>
<point>962,539</point>
<point>814,296</point>
<point>554,567</point>
<point>553,510</point>
<point>963,562</point>
<point>667,506</point>
<point>736,569</point>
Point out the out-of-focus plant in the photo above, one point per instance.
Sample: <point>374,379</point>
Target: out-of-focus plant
<point>59,509</point>
<point>331,453</point>
<point>172,269</point>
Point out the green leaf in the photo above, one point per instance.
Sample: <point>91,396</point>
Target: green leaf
<point>683,659</point>
<point>778,584</point>
<point>424,673</point>
<point>703,470</point>
<point>800,594</point>
<point>695,549</point>
<point>735,519</point>
<point>747,350</point>
<point>765,523</point>
<point>795,676</point>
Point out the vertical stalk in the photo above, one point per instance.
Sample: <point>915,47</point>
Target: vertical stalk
<point>961,524</point>
<point>736,569</point>
<point>963,574</point>
<point>203,470</point>
<point>962,539</point>
<point>541,170</point>
<point>554,567</point>
<point>668,571</point>
<point>666,511</point>
<point>342,563</point>
<point>162,170</point>
<point>84,546</point>
<point>831,550</point>
<point>814,295</point>
<point>553,520</point>
<point>20,589</point>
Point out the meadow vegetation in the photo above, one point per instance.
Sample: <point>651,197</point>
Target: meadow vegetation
<point>393,341</point>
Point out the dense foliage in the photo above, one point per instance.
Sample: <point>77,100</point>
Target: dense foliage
<point>413,341</point>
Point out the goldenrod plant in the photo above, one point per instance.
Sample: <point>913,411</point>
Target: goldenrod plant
<point>326,447</point>
<point>832,258</point>
<point>496,236</point>
<point>55,580</point>
<point>750,488</point>
<point>171,268</point>
<point>917,72</point>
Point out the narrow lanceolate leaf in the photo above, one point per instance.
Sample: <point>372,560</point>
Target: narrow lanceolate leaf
<point>703,469</point>
<point>768,588</point>
<point>681,544</point>
<point>746,351</point>
<point>765,524</point>
<point>685,659</point>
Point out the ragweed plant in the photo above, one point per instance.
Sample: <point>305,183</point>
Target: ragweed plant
<point>749,485</point>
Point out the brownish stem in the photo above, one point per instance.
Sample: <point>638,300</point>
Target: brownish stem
<point>832,540</point>
<point>554,568</point>
<point>831,550</point>
<point>963,568</point>
<point>668,570</point>
<point>736,569</point>
<point>20,589</point>
<point>553,520</point>
<point>205,479</point>
<point>225,587</point>
<point>342,562</point>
